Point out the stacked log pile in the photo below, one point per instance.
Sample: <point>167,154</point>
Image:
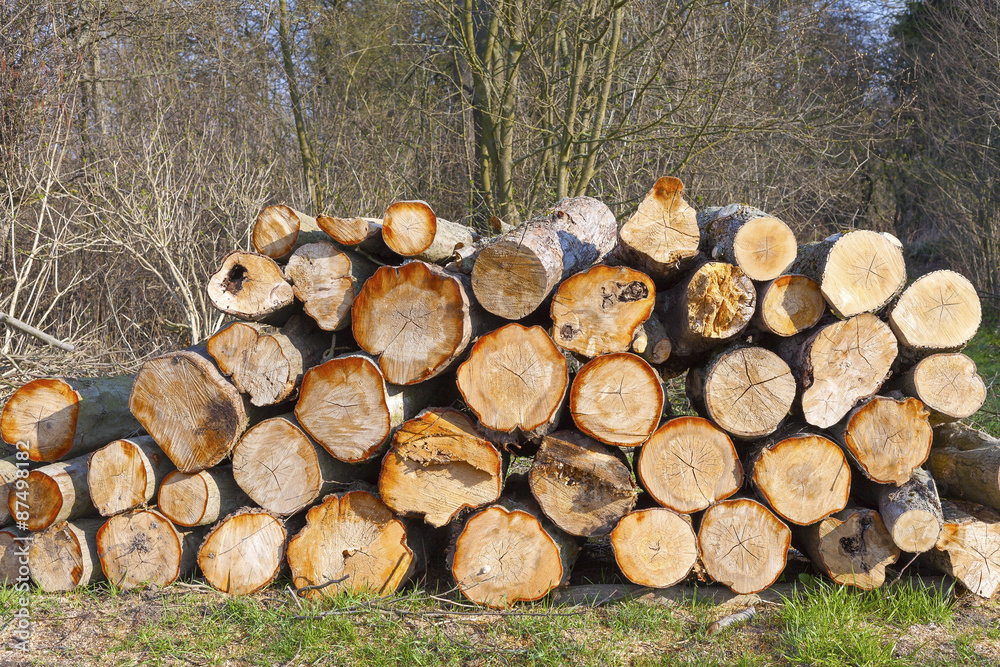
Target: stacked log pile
<point>398,390</point>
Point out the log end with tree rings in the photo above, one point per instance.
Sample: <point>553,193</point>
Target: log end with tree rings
<point>715,304</point>
<point>851,547</point>
<point>743,545</point>
<point>55,492</point>
<point>663,232</point>
<point>969,547</point>
<point>889,439</point>
<point>321,279</point>
<point>415,318</point>
<point>864,270</point>
<point>349,231</point>
<point>948,385</point>
<point>598,311</point>
<point>513,275</point>
<point>764,247</point>
<point>617,399</point>
<point>655,547</point>
<point>276,230</point>
<point>408,227</point>
<point>13,549</point>
<point>64,556</point>
<point>143,548</point>
<point>790,304</point>
<point>201,498</point>
<point>689,464</point>
<point>515,379</point>
<point>251,287</point>
<point>243,553</point>
<point>440,464</point>
<point>42,413</point>
<point>351,543</point>
<point>125,474</point>
<point>939,312</point>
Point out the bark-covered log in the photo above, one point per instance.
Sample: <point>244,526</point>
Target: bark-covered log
<point>651,341</point>
<point>514,273</point>
<point>710,307</point>
<point>326,280</point>
<point>411,229</point>
<point>851,547</point>
<point>858,271</point>
<point>143,548</point>
<point>201,498</point>
<point>962,436</point>
<point>251,287</point>
<point>346,405</point>
<point>62,417</point>
<point>64,556</point>
<point>743,545</point>
<point>745,390</point>
<point>126,473</point>
<point>244,552</point>
<point>662,237</point>
<point>939,312</point>
<point>14,559</point>
<point>56,492</point>
<point>969,547</point>
<point>948,384</point>
<point>583,487</point>
<point>279,229</point>
<point>760,244</point>
<point>350,231</point>
<point>516,381</point>
<point>440,464</point>
<point>911,512</point>
<point>655,547</point>
<point>8,475</point>
<point>617,399</point>
<point>598,310</point>
<point>788,305</point>
<point>970,474</point>
<point>689,464</point>
<point>887,439</point>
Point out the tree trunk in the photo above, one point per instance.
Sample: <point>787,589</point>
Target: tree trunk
<point>840,364</point>
<point>708,308</point>
<point>515,272</point>
<point>584,487</point>
<point>283,470</point>
<point>516,382</point>
<point>747,391</point>
<point>655,547</point>
<point>202,498</point>
<point>962,437</point>
<point>761,245</point>
<point>617,399</point>
<point>851,547</point>
<point>14,558</point>
<point>8,475</point>
<point>599,310</point>
<point>651,341</point>
<point>278,230</point>
<point>249,286</point>
<point>410,229</point>
<point>244,552</point>
<point>911,512</point>
<point>788,305</point>
<point>972,474</point>
<point>938,312</point>
<point>347,407</point>
<point>63,417</point>
<point>267,363</point>
<point>351,231</point>
<point>948,385</point>
<point>858,272</point>
<point>142,547</point>
<point>125,474</point>
<point>662,237</point>
<point>887,439</point>
<point>55,493</point>
<point>440,464</point>
<point>743,545</point>
<point>64,556</point>
<point>969,547</point>
<point>326,280</point>
<point>688,464</point>
<point>802,477</point>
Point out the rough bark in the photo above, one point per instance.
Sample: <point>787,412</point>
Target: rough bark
<point>143,548</point>
<point>249,286</point>
<point>743,545</point>
<point>326,280</point>
<point>710,307</point>
<point>244,552</point>
<point>962,437</point>
<point>411,229</point>
<point>8,476</point>
<point>969,547</point>
<point>947,384</point>
<point>125,474</point>
<point>617,399</point>
<point>655,547</point>
<point>789,305</point>
<point>938,312</point>
<point>55,493</point>
<point>202,498</point>
<point>64,557</point>
<point>279,229</point>
<point>662,237</point>
<point>911,512</point>
<point>851,547</point>
<point>761,245</point>
<point>651,341</point>
<point>971,474</point>
<point>887,439</point>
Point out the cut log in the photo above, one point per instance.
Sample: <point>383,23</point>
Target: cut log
<point>268,363</point>
<point>962,437</point>
<point>745,390</point>
<point>655,547</point>
<point>969,547</point>
<point>251,287</point>
<point>244,552</point>
<point>743,545</point>
<point>789,304</point>
<point>346,406</point>
<point>887,439</point>
<point>201,498</point>
<point>689,464</point>
<point>948,384</point>
<point>712,306</point>
<point>64,556</point>
<point>516,382</point>
<point>971,474</point>
<point>283,470</point>
<point>851,547</point>
<point>761,245</point>
<point>14,557</point>
<point>8,475</point>
<point>143,548</point>
<point>939,312</point>
<point>326,281</point>
<point>911,512</point>
<point>62,417</point>
<point>803,477</point>
<point>54,493</point>
<point>278,230</point>
<point>840,364</point>
<point>617,399</point>
<point>858,272</point>
<point>125,474</point>
<point>411,229</point>
<point>583,487</point>
<point>417,319</point>
<point>662,237</point>
<point>651,341</point>
<point>598,311</point>
<point>440,464</point>
<point>515,272</point>
<point>353,543</point>
<point>350,231</point>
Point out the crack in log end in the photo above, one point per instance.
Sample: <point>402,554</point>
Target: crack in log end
<point>233,282</point>
<point>568,332</point>
<point>140,543</point>
<point>633,291</point>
